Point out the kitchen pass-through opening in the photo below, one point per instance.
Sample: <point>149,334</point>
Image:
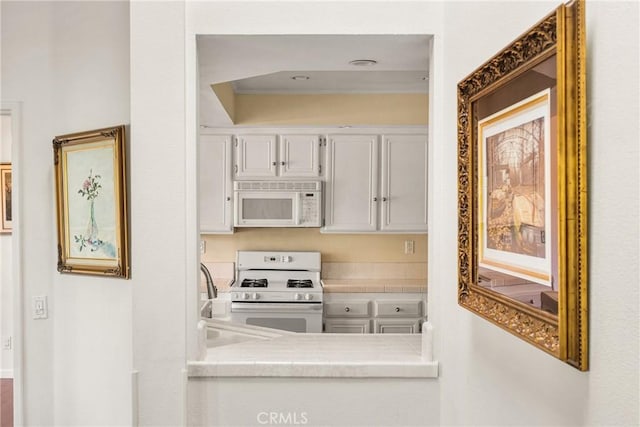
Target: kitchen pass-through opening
<point>254,107</point>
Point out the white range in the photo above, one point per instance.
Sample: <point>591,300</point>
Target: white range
<point>277,289</point>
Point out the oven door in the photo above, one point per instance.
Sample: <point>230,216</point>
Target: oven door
<point>294,317</point>
<point>266,209</point>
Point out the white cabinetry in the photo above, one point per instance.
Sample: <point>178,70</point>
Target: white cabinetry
<point>350,316</point>
<point>256,156</point>
<point>268,156</point>
<point>404,183</point>
<point>396,313</point>
<point>397,326</point>
<point>364,194</point>
<point>215,187</point>
<point>299,156</point>
<point>351,197</point>
<point>347,326</point>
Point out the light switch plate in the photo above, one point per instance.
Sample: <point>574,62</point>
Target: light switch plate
<point>409,247</point>
<point>39,307</point>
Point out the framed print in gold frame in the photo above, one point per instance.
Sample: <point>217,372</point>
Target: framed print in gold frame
<point>5,198</point>
<point>90,171</point>
<point>522,199</point>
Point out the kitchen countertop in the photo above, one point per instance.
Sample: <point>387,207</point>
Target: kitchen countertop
<point>319,355</point>
<point>374,285</point>
<point>352,285</point>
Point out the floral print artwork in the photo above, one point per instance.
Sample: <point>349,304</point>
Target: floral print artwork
<point>90,189</point>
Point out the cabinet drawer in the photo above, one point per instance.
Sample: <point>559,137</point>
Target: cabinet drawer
<point>346,309</point>
<point>398,308</point>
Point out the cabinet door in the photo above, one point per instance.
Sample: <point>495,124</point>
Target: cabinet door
<point>347,326</point>
<point>397,326</point>
<point>404,183</point>
<point>256,156</point>
<point>215,188</point>
<point>299,155</point>
<point>352,183</point>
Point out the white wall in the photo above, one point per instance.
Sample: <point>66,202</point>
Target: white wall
<point>6,260</point>
<point>68,62</point>
<point>26,77</point>
<point>158,213</point>
<point>488,376</point>
<point>347,402</point>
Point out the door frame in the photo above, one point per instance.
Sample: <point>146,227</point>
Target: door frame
<point>14,109</point>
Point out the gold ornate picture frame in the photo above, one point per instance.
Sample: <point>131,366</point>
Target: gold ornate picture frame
<point>6,222</point>
<point>522,200</point>
<point>91,198</point>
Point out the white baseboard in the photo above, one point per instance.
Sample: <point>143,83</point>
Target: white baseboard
<point>6,373</point>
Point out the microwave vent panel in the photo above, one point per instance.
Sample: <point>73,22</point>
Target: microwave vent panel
<point>278,185</point>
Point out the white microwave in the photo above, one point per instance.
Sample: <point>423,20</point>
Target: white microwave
<point>277,203</point>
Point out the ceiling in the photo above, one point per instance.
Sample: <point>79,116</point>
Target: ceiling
<point>267,63</point>
<point>352,81</point>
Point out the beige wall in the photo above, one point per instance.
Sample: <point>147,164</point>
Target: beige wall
<point>332,109</point>
<point>334,247</point>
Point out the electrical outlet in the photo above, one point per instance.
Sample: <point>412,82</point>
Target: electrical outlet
<point>203,246</point>
<point>409,247</point>
<point>7,344</point>
<point>39,307</point>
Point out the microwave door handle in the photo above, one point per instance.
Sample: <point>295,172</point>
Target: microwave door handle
<point>298,208</point>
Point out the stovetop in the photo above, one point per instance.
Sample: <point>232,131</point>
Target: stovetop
<point>299,283</point>
<point>254,283</point>
<point>277,276</point>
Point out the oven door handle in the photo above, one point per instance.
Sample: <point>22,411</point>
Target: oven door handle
<point>268,307</point>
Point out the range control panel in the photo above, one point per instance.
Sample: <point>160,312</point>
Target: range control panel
<point>278,260</point>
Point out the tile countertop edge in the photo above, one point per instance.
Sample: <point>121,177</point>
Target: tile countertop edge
<point>323,355</point>
<point>374,285</point>
<point>228,369</point>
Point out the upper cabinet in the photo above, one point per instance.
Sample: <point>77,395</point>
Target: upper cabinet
<point>368,192</point>
<point>299,156</point>
<point>286,156</point>
<point>215,185</point>
<point>373,182</point>
<point>256,156</point>
<point>404,183</point>
<point>351,197</point>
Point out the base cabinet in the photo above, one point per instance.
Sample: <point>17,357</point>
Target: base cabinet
<point>388,313</point>
<point>347,326</point>
<point>397,326</point>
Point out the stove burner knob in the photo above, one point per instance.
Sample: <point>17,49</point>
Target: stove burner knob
<point>297,297</point>
<point>308,297</point>
<point>245,295</point>
<point>255,296</point>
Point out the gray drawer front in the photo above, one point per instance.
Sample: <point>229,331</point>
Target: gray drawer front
<point>398,308</point>
<point>346,309</point>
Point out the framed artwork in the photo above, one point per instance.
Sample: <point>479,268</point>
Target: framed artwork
<point>5,198</point>
<point>513,187</point>
<point>522,195</point>
<point>91,198</point>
